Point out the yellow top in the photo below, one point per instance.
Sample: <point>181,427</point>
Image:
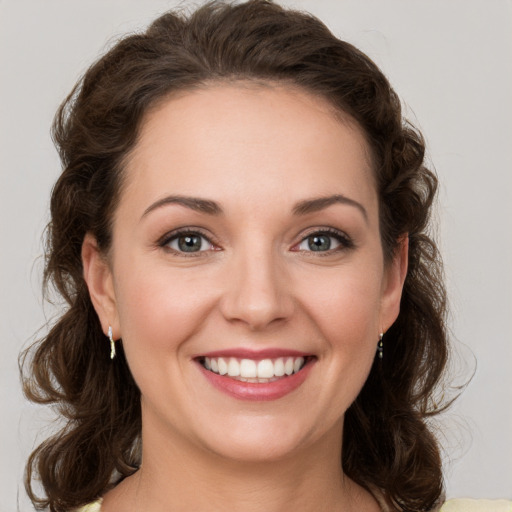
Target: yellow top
<point>92,507</point>
<point>467,505</point>
<point>464,505</point>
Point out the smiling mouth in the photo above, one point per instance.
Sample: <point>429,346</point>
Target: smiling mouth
<point>255,371</point>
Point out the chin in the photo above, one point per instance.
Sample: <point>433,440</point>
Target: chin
<point>259,438</point>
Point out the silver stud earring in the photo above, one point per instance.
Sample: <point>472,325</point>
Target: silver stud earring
<point>112,343</point>
<point>380,346</point>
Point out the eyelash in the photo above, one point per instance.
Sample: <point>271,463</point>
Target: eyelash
<point>174,235</point>
<point>343,239</point>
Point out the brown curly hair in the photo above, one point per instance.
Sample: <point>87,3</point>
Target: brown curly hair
<point>387,444</point>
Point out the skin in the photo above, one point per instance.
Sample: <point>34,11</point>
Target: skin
<point>257,151</point>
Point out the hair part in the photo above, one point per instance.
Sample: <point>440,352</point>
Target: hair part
<point>387,444</point>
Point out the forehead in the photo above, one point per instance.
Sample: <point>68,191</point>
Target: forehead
<point>251,140</point>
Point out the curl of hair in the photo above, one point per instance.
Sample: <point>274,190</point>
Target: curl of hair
<point>387,444</point>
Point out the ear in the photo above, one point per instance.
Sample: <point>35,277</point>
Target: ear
<point>99,280</point>
<point>393,283</point>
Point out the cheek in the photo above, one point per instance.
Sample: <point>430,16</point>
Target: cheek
<point>344,309</point>
<point>346,305</point>
<point>158,311</point>
<point>347,318</point>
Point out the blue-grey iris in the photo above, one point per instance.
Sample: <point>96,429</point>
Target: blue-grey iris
<point>319,242</point>
<point>189,243</point>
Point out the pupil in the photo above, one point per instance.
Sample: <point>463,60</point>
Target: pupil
<point>189,243</point>
<point>319,243</point>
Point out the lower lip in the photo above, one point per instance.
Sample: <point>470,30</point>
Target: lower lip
<point>257,391</point>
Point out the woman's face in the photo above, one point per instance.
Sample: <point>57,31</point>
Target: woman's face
<point>247,240</point>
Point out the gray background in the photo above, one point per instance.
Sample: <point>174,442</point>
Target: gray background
<point>451,63</point>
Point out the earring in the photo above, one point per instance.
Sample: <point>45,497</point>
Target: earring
<point>380,346</point>
<point>112,343</point>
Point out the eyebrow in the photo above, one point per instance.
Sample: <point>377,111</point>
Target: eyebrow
<point>194,203</point>
<point>212,208</point>
<point>320,203</point>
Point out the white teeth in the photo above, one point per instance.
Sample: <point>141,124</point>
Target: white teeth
<point>223,366</point>
<point>265,369</point>
<point>233,368</point>
<point>279,367</point>
<point>249,370</point>
<point>297,364</point>
<point>288,366</point>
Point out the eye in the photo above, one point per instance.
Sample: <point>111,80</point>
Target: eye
<point>187,242</point>
<point>324,241</point>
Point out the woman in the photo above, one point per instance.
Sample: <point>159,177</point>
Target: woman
<point>256,313</point>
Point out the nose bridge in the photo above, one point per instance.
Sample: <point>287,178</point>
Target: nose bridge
<point>256,294</point>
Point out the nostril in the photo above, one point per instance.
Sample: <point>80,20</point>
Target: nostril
<point>257,297</point>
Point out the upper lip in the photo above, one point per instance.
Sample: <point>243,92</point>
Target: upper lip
<point>243,353</point>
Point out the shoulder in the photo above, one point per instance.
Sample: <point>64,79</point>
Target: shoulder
<point>92,507</point>
<point>468,505</point>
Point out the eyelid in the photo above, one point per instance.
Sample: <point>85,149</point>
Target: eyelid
<point>168,237</point>
<point>346,242</point>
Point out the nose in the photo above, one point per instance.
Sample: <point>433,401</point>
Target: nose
<point>258,292</point>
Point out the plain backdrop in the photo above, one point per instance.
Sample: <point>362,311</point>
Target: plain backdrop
<point>451,63</point>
